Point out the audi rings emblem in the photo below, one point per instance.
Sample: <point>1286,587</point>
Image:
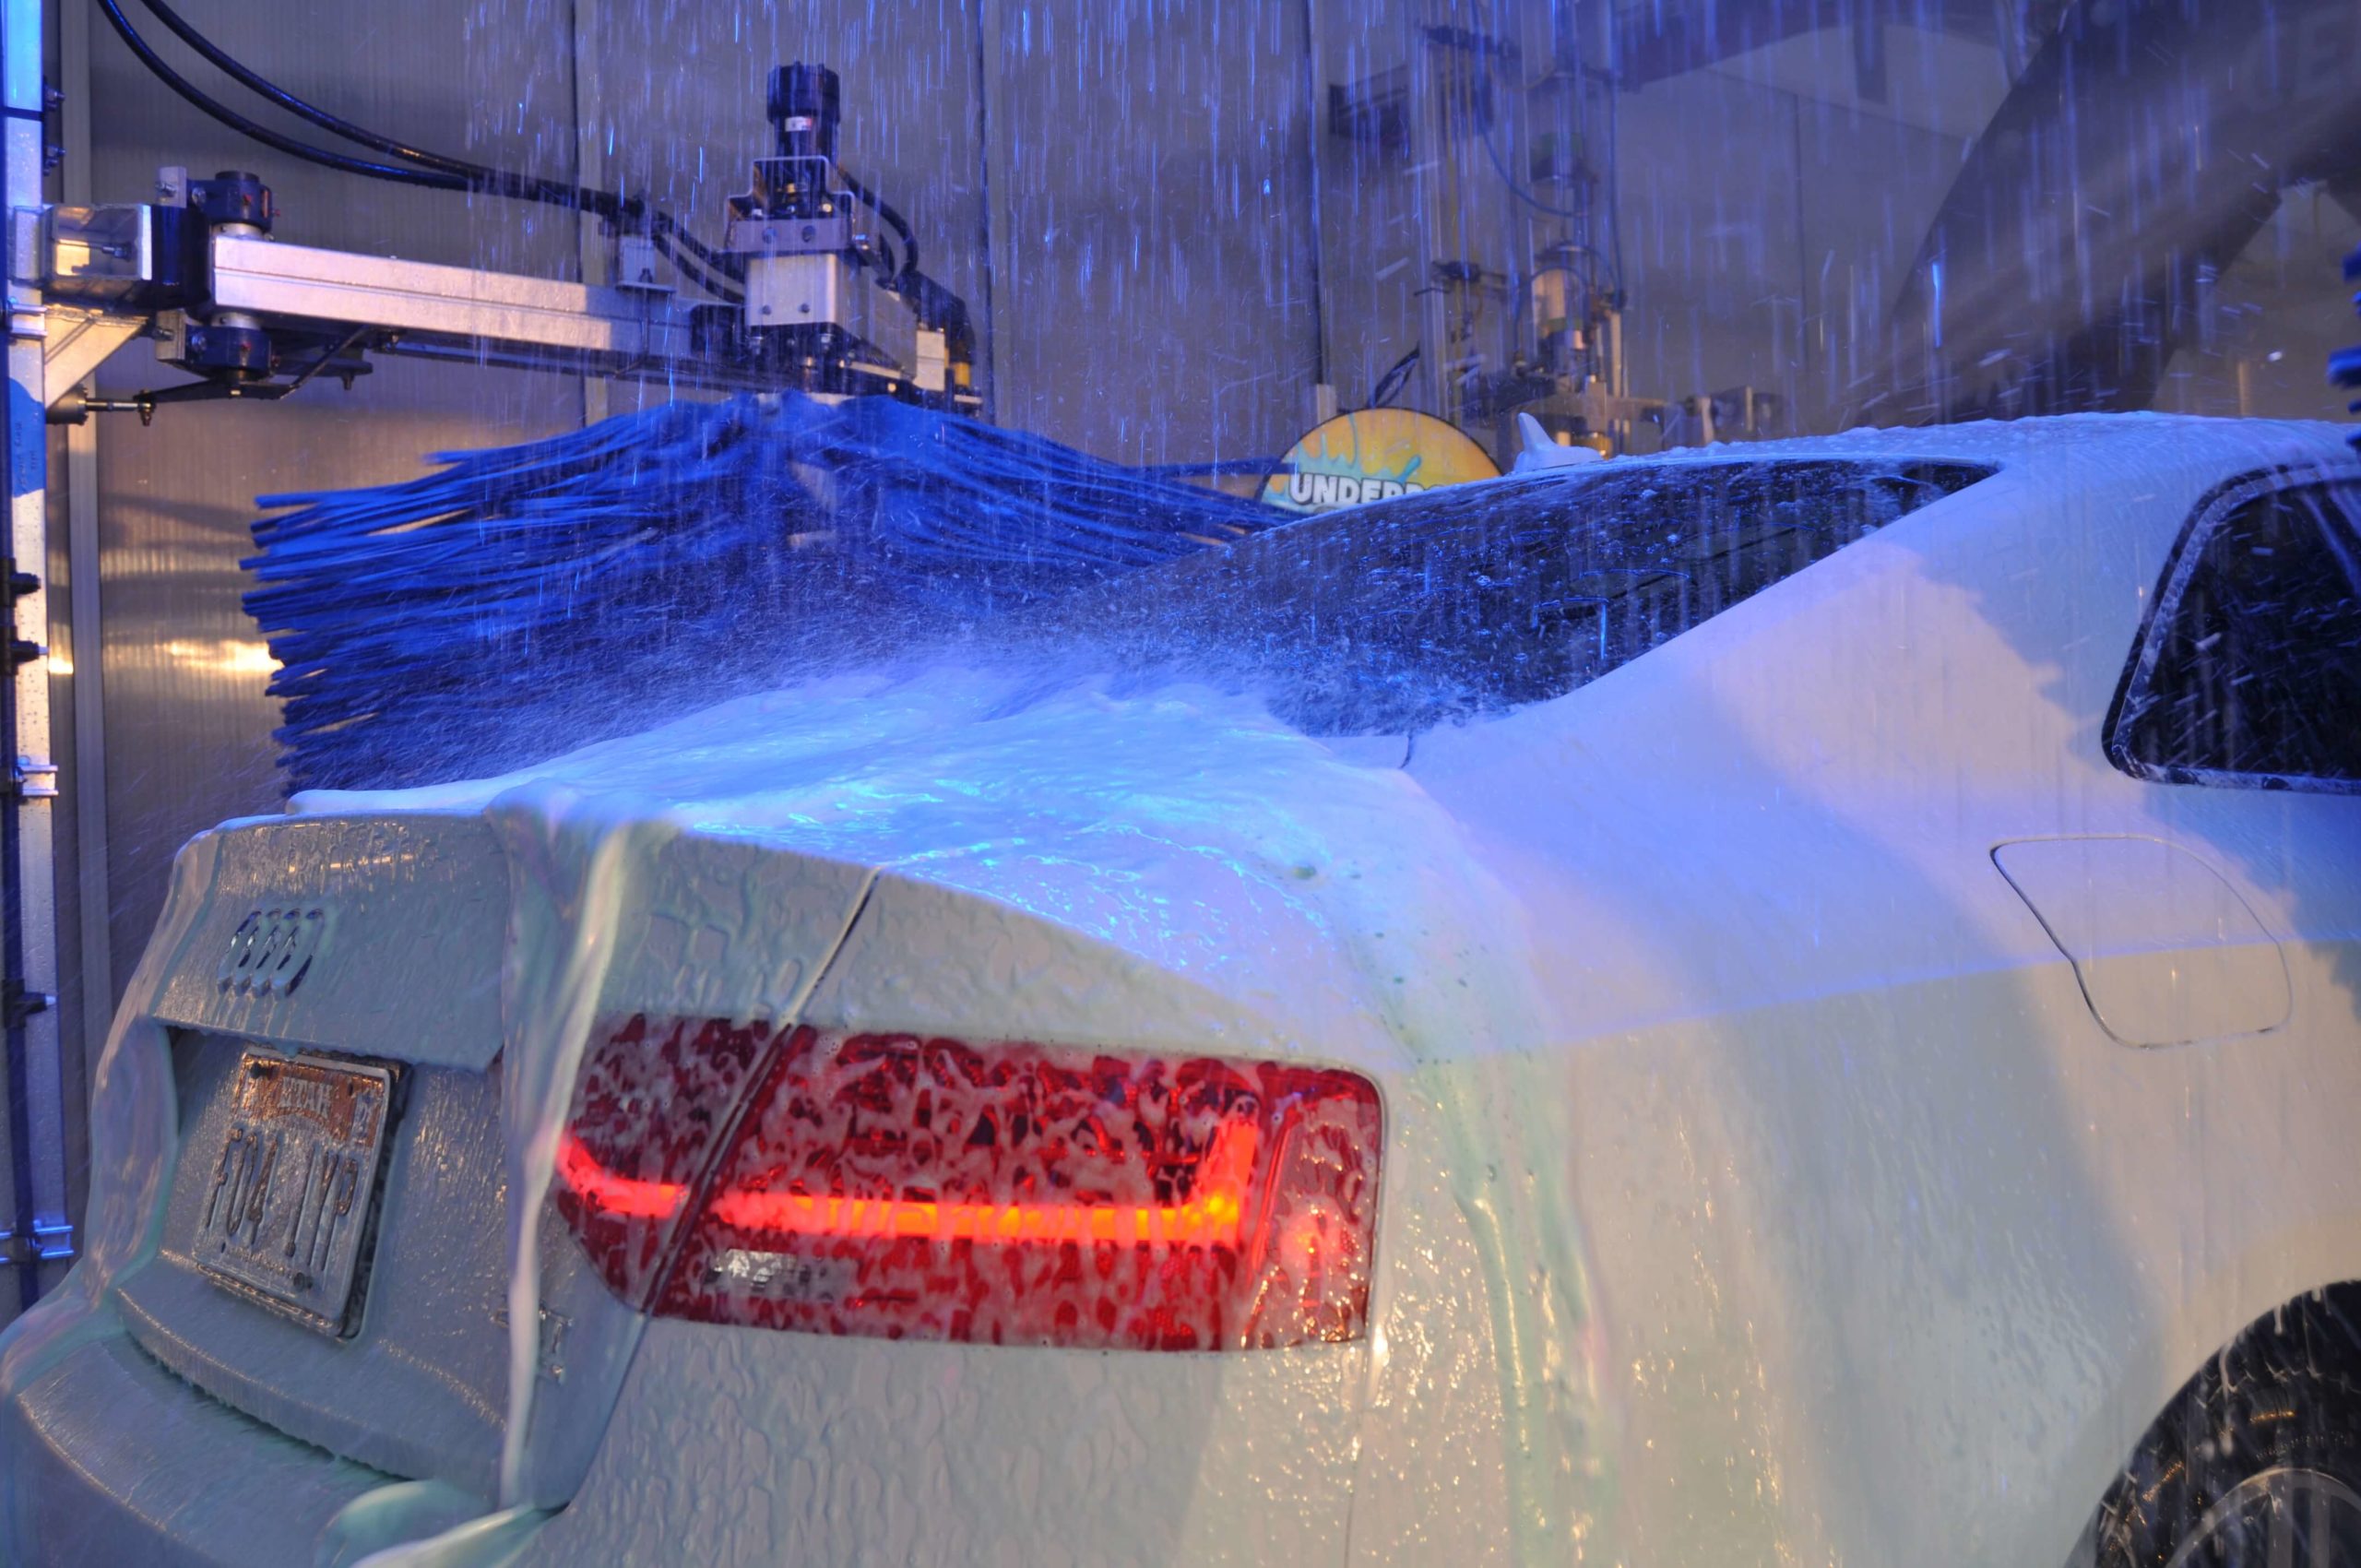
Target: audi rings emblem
<point>272,950</point>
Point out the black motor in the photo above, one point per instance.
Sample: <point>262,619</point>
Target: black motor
<point>804,111</point>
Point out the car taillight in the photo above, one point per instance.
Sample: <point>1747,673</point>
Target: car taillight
<point>1016,1194</point>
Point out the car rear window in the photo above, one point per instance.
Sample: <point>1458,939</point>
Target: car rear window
<point>1487,597</point>
<point>2249,670</point>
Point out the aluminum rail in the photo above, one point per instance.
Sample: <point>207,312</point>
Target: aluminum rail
<point>464,312</point>
<point>106,275</point>
<point>35,1239</point>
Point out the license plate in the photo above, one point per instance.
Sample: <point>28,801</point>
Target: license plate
<point>291,1214</point>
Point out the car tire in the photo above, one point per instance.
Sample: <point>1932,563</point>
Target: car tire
<point>2257,1462</point>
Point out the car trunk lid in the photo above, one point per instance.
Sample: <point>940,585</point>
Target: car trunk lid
<point>348,1282</point>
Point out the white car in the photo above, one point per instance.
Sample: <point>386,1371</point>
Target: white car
<point>1781,1004</point>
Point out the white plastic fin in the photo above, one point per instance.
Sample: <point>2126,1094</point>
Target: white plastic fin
<point>1539,450</point>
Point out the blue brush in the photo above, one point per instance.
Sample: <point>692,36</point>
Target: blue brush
<point>526,599</point>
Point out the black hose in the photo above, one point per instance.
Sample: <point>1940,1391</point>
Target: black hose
<point>230,67</point>
<point>895,221</point>
<point>730,267</point>
<point>1389,386</point>
<point>663,231</point>
<point>440,173</point>
<point>498,181</point>
<point>432,179</point>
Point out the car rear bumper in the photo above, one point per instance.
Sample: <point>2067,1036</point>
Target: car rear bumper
<point>741,1446</point>
<point>821,1449</point>
<point>105,1457</point>
<point>110,1457</point>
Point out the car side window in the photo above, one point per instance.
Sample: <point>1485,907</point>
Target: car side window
<point>2248,671</point>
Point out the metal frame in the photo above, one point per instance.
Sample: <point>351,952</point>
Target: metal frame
<point>84,775</point>
<point>415,308</point>
<point>460,312</point>
<point>78,341</point>
<point>590,172</point>
<point>36,1231</point>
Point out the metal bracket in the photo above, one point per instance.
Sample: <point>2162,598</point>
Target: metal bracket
<point>28,255</point>
<point>32,778</point>
<point>17,1003</point>
<point>79,342</point>
<point>27,264</point>
<point>637,269</point>
<point>48,1244</point>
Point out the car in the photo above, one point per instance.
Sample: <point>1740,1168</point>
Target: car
<point>1789,1003</point>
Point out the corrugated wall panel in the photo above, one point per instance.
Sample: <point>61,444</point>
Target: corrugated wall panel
<point>187,723</point>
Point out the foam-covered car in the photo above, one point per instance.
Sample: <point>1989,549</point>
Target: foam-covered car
<point>1790,1004</point>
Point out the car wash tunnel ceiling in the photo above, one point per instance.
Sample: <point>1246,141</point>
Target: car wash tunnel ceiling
<point>1184,233</point>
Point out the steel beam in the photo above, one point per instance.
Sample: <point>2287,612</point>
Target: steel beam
<point>504,317</point>
<point>84,775</point>
<point>590,172</point>
<point>37,1233</point>
<point>78,341</point>
<point>460,312</point>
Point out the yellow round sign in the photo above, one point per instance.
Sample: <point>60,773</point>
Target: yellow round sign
<point>1372,456</point>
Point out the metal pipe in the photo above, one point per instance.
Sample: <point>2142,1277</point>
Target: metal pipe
<point>987,15</point>
<point>28,925</point>
<point>1313,128</point>
<point>23,1252</point>
<point>86,775</point>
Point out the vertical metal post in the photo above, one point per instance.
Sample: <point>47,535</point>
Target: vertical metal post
<point>1430,143</point>
<point>988,152</point>
<point>85,773</point>
<point>1315,127</point>
<point>37,1228</point>
<point>590,172</point>
<point>88,777</point>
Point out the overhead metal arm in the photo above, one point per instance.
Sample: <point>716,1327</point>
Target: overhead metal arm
<point>458,312</point>
<point>114,273</point>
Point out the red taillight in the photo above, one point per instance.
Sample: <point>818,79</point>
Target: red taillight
<point>1012,1194</point>
<point>648,1117</point>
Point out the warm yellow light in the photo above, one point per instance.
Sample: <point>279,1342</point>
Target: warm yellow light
<point>226,655</point>
<point>1211,1218</point>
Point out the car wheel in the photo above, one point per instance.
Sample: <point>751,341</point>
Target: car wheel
<point>2258,1464</point>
